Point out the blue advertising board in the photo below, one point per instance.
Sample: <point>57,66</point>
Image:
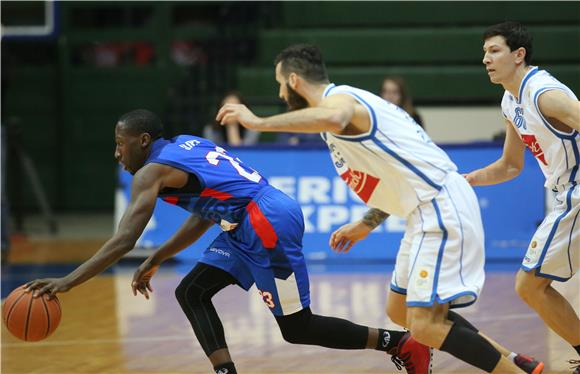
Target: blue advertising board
<point>511,211</point>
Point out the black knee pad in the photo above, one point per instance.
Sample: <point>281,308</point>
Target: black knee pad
<point>294,326</point>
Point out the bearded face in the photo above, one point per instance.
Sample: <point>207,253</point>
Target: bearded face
<point>294,100</point>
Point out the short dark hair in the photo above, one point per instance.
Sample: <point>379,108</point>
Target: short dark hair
<point>304,60</point>
<point>143,121</point>
<point>515,34</point>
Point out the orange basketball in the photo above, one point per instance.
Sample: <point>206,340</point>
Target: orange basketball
<point>28,318</point>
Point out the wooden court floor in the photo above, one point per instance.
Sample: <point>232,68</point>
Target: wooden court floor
<point>105,329</point>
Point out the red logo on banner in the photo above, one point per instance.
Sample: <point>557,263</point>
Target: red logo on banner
<point>362,184</point>
<point>534,146</point>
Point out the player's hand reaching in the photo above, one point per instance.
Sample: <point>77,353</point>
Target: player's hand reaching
<point>342,240</point>
<point>238,113</point>
<point>142,278</point>
<point>470,178</point>
<point>49,286</point>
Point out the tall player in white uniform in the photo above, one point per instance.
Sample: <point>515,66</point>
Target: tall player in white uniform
<point>393,166</point>
<point>544,115</point>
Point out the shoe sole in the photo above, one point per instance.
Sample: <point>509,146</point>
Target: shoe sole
<point>538,369</point>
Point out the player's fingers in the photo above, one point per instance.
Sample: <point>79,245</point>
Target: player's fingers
<point>134,288</point>
<point>148,285</point>
<point>229,116</point>
<point>348,247</point>
<point>332,240</point>
<point>343,241</point>
<point>223,111</point>
<point>41,291</point>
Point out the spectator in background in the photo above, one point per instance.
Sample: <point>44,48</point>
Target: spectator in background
<point>394,90</point>
<point>234,134</point>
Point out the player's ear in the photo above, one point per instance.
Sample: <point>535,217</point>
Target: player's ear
<point>520,55</point>
<point>293,80</point>
<point>145,140</point>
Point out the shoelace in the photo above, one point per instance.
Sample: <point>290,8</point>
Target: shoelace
<point>398,362</point>
<point>401,362</point>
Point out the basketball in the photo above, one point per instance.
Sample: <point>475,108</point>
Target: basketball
<point>28,318</point>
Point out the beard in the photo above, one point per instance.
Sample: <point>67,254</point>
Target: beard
<point>295,101</point>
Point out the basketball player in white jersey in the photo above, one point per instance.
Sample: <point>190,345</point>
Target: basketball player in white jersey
<point>393,166</point>
<point>544,115</point>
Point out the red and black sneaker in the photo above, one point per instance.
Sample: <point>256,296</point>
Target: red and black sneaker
<point>528,364</point>
<point>415,357</point>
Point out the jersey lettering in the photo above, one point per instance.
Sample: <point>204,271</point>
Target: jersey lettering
<point>519,119</point>
<point>188,145</point>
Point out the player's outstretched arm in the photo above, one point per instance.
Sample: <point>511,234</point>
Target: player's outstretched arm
<point>191,230</point>
<point>507,167</point>
<point>342,240</point>
<point>555,104</point>
<point>333,114</point>
<point>145,188</point>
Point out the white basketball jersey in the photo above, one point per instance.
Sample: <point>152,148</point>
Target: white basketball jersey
<point>557,152</point>
<point>394,166</point>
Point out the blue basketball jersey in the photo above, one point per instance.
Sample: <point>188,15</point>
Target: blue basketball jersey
<point>220,185</point>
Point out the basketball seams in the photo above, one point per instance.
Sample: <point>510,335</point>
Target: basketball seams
<point>14,306</point>
<point>28,318</point>
<point>47,317</point>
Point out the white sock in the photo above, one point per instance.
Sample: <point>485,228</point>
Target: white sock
<point>512,356</point>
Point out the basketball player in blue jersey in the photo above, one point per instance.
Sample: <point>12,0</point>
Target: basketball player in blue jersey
<point>261,243</point>
<point>390,162</point>
<point>543,115</point>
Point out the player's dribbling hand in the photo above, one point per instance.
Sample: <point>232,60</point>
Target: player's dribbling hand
<point>49,286</point>
<point>237,113</point>
<point>142,278</point>
<point>342,240</point>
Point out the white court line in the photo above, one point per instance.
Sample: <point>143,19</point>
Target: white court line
<point>192,337</point>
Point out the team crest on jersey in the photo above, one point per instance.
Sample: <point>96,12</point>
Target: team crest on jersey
<point>519,119</point>
<point>361,183</point>
<point>532,143</point>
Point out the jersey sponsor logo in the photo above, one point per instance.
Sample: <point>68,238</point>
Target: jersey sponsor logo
<point>361,183</point>
<point>519,119</point>
<point>532,143</point>
<point>220,252</point>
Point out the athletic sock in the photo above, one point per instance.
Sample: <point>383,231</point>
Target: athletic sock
<point>388,339</point>
<point>227,368</point>
<point>512,357</point>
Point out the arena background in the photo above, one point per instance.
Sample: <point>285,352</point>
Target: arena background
<point>70,69</point>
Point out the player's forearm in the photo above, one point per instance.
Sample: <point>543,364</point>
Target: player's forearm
<point>498,172</point>
<point>109,254</point>
<point>191,230</point>
<point>374,217</point>
<point>310,120</point>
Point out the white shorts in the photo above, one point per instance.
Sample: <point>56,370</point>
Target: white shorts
<point>554,249</point>
<point>442,255</point>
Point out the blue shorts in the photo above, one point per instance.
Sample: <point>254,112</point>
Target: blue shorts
<point>266,249</point>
